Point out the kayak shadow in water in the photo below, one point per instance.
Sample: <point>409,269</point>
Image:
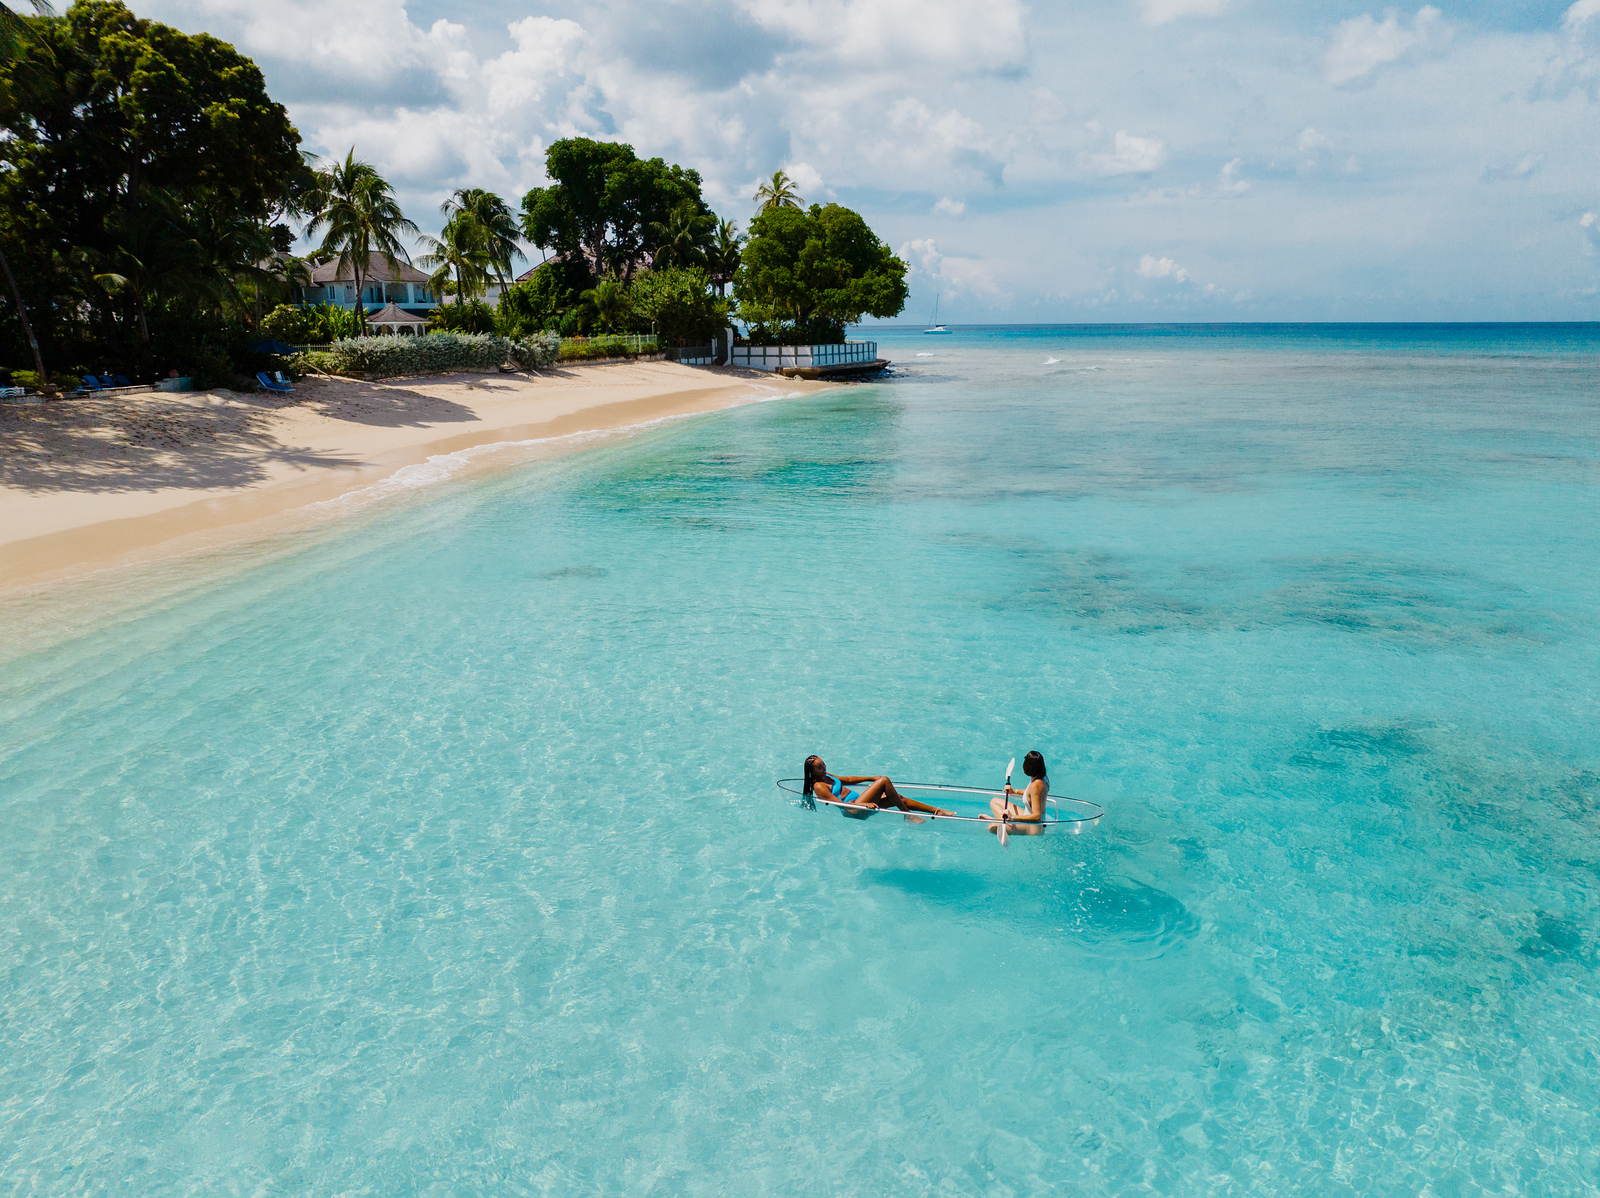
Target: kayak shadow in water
<point>1111,915</point>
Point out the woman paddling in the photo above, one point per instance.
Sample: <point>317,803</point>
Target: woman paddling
<point>1031,810</point>
<point>876,792</point>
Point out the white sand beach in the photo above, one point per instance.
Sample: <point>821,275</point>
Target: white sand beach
<point>89,483</point>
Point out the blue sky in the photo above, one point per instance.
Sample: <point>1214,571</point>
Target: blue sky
<point>1117,160</point>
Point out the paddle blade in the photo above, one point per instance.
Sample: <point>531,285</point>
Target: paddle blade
<point>1005,837</point>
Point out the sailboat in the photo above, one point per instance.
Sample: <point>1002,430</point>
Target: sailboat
<point>937,327</point>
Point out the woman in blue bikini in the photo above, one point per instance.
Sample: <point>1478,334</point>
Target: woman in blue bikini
<point>875,792</point>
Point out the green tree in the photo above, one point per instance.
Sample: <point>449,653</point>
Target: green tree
<point>682,239</point>
<point>811,272</point>
<point>100,110</point>
<point>289,323</point>
<point>679,304</point>
<point>498,224</point>
<point>603,202</point>
<point>609,301</point>
<point>15,28</point>
<point>231,249</point>
<point>459,257</point>
<point>547,301</point>
<point>777,192</point>
<point>471,316</point>
<point>152,252</point>
<point>722,256</point>
<point>358,206</point>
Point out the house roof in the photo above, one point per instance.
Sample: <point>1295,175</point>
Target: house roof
<point>393,315</point>
<point>377,270</point>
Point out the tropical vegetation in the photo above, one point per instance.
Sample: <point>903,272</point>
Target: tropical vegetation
<point>806,273</point>
<point>392,357</point>
<point>476,246</point>
<point>132,217</point>
<point>151,192</point>
<point>777,192</point>
<point>362,217</point>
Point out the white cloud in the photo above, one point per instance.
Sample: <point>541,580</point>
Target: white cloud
<point>807,179</point>
<point>1361,45</point>
<point>950,207</point>
<point>953,33</point>
<point>925,142</point>
<point>889,99</point>
<point>923,254</point>
<point>1577,65</point>
<point>953,277</point>
<point>1159,12</point>
<point>1590,224</point>
<point>1128,156</point>
<point>1525,166</point>
<point>1151,267</point>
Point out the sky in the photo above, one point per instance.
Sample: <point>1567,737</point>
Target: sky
<point>1115,160</point>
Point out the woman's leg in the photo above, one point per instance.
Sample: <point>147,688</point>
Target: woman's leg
<point>905,804</point>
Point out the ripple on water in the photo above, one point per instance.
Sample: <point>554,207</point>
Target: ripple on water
<point>1118,916</point>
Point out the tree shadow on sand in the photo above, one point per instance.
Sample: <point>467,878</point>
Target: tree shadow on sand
<point>147,441</point>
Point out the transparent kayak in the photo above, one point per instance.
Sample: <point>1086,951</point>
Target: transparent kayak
<point>970,803</point>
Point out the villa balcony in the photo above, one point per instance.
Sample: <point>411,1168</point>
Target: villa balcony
<point>411,296</point>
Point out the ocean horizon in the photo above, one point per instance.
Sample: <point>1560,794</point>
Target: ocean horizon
<point>439,850</point>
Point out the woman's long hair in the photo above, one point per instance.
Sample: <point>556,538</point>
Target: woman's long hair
<point>812,778</point>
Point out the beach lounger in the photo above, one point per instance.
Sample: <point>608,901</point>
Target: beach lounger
<point>107,383</point>
<point>278,374</point>
<point>122,381</point>
<point>268,383</point>
<point>90,383</point>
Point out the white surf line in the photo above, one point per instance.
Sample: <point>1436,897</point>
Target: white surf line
<point>441,467</point>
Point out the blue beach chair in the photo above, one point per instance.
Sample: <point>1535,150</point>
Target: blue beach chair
<point>268,383</point>
<point>107,383</point>
<point>90,383</point>
<point>122,381</point>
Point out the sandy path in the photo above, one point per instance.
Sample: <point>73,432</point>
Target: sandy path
<point>95,482</point>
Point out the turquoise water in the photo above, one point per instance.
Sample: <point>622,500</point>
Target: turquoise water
<point>440,853</point>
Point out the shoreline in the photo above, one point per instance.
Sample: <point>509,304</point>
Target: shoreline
<point>93,484</point>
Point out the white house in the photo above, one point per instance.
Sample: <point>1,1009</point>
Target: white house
<point>406,288</point>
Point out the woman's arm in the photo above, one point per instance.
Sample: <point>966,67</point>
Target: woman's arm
<point>854,780</point>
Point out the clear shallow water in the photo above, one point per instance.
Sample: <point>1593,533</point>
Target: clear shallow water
<point>441,856</point>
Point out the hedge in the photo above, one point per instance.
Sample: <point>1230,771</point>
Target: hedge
<point>577,349</point>
<point>391,357</point>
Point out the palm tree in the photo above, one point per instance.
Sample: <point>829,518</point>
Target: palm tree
<point>363,218</point>
<point>500,230</point>
<point>777,192</point>
<point>151,253</point>
<point>681,238</point>
<point>609,299</point>
<point>723,255</point>
<point>14,27</point>
<point>462,249</point>
<point>231,247</point>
